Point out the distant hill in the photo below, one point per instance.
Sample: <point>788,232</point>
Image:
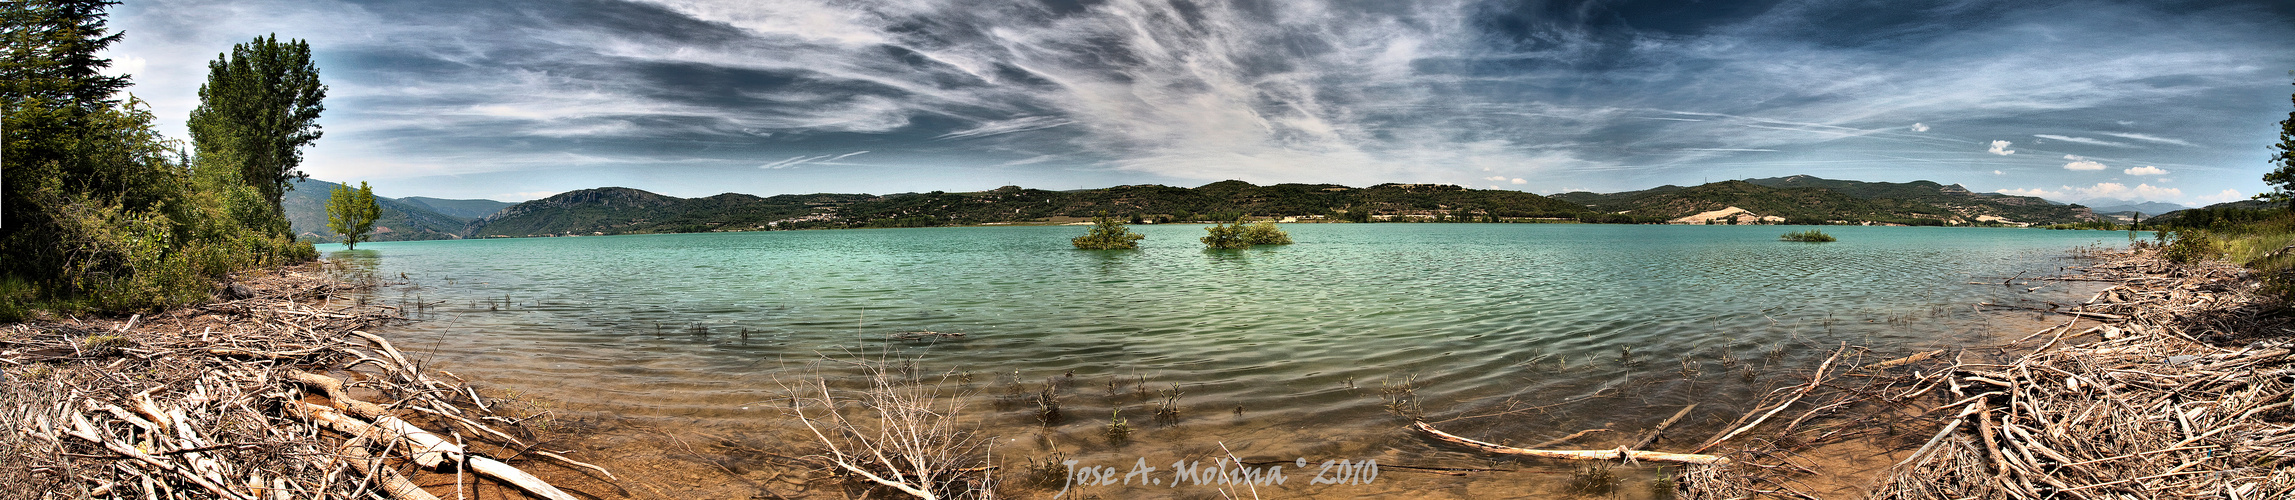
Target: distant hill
<point>306,208</point>
<point>1807,199</point>
<point>1796,199</point>
<point>624,211</point>
<point>2229,212</point>
<point>467,209</point>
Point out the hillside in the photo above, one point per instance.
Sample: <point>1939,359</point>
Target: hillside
<point>1797,199</point>
<point>628,211</point>
<point>306,208</point>
<point>1806,199</point>
<point>466,209</point>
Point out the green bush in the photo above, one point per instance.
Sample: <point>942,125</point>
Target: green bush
<point>1108,234</point>
<point>1264,233</point>
<point>1809,236</point>
<point>2191,247</point>
<point>1237,236</point>
<point>1225,237</point>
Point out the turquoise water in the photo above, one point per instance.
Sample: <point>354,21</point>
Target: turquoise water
<point>700,327</point>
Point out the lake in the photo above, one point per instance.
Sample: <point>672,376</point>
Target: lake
<point>1290,351</point>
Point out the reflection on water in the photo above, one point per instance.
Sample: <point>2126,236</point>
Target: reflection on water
<point>1520,332</point>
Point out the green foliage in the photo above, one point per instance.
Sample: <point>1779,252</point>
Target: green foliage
<point>352,212</point>
<point>103,214</point>
<point>2282,178</point>
<point>2087,225</point>
<point>1108,234</point>
<point>1237,236</point>
<point>1264,233</point>
<point>1809,236</point>
<point>1225,237</point>
<point>2191,247</point>
<point>258,110</point>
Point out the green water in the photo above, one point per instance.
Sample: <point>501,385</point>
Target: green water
<point>697,328</point>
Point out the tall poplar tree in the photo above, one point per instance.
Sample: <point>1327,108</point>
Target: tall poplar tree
<point>2282,179</point>
<point>258,110</point>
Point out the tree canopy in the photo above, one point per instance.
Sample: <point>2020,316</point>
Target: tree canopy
<point>258,110</point>
<point>2282,179</point>
<point>352,213</point>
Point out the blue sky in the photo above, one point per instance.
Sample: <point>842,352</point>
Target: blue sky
<point>519,99</point>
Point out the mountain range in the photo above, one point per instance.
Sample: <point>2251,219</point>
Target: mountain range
<point>402,219</point>
<point>620,210</point>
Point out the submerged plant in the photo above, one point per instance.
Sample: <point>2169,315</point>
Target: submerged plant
<point>1108,234</point>
<point>1048,402</point>
<point>1118,430</point>
<point>1809,236</point>
<point>1595,479</point>
<point>1402,399</point>
<point>1167,409</point>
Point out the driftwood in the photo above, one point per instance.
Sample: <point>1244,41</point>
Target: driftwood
<point>207,402</point>
<point>1617,454</point>
<point>1652,437</point>
<point>1814,381</point>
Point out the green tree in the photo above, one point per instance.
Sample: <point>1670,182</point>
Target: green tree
<point>102,213</point>
<point>2282,179</point>
<point>258,110</point>
<point>352,213</point>
<point>1108,234</point>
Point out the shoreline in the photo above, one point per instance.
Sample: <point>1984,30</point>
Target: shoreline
<point>1844,463</point>
<point>245,397</point>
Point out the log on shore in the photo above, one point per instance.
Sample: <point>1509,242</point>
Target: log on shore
<point>1617,454</point>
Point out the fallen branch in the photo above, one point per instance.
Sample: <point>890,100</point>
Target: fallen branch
<point>1618,454</point>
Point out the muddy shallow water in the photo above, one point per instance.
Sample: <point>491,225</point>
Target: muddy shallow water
<point>1515,333</point>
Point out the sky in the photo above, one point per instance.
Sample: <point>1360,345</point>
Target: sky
<point>2074,101</point>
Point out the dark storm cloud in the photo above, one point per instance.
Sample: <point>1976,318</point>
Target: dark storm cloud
<point>1568,94</point>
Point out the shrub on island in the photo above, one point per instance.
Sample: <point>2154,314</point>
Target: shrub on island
<point>1809,236</point>
<point>1108,234</point>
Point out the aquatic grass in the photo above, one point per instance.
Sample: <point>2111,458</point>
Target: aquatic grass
<point>1167,409</point>
<point>1048,402</point>
<point>1594,479</point>
<point>1118,431</point>
<point>1402,399</point>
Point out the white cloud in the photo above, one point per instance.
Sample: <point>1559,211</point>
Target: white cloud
<point>2084,165</point>
<point>794,161</point>
<point>1495,178</point>
<point>2083,140</point>
<point>1997,172</point>
<point>2001,148</point>
<point>2043,193</point>
<point>2118,191</point>
<point>1519,181</point>
<point>1022,124</point>
<point>2227,196</point>
<point>2151,138</point>
<point>2145,170</point>
<point>1919,127</point>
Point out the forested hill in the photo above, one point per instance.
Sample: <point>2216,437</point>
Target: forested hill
<point>1812,200</point>
<point>616,210</point>
<point>620,210</point>
<point>402,219</point>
